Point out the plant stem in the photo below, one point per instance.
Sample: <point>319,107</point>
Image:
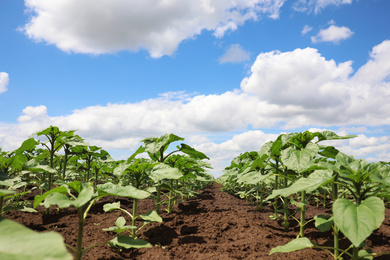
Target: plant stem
<point>158,198</point>
<point>302,221</point>
<point>336,241</point>
<point>79,249</point>
<point>355,253</point>
<point>134,217</point>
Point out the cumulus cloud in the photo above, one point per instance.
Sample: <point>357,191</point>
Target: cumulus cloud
<point>300,79</point>
<point>333,34</point>
<point>317,5</point>
<point>235,54</point>
<point>110,26</point>
<point>285,90</point>
<point>4,81</point>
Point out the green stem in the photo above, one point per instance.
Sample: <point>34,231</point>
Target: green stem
<point>79,249</point>
<point>336,241</point>
<point>302,221</point>
<point>355,253</point>
<point>134,217</point>
<point>158,198</point>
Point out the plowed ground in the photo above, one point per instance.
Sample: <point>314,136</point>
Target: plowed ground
<point>215,225</point>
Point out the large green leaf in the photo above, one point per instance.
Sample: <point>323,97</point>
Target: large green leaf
<point>17,242</point>
<point>165,172</point>
<point>120,169</point>
<point>329,135</point>
<point>153,145</point>
<point>312,182</point>
<point>129,242</point>
<point>382,176</point>
<point>64,201</point>
<point>123,191</point>
<point>39,198</point>
<point>358,222</point>
<point>192,152</point>
<point>252,177</point>
<point>294,245</point>
<point>299,160</point>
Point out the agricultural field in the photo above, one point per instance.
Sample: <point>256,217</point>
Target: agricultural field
<point>294,198</point>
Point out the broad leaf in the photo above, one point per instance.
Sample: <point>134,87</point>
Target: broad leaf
<point>123,191</point>
<point>323,222</point>
<point>151,216</point>
<point>253,177</point>
<point>381,176</point>
<point>358,222</point>
<point>296,244</point>
<point>129,242</point>
<point>17,242</point>
<point>315,180</point>
<point>111,206</point>
<point>192,152</point>
<point>165,172</point>
<point>299,160</point>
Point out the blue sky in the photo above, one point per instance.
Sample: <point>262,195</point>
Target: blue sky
<point>225,76</point>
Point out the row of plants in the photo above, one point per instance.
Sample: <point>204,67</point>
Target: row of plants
<point>297,168</point>
<point>67,172</point>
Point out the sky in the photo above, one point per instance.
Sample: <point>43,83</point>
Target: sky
<point>225,75</point>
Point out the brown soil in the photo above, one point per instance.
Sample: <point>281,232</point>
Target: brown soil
<point>215,225</point>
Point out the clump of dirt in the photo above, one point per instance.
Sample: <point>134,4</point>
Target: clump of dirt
<point>215,225</point>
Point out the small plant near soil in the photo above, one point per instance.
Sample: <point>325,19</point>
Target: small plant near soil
<point>78,194</point>
<point>130,241</point>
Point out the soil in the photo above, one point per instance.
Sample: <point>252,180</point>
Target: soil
<point>214,225</point>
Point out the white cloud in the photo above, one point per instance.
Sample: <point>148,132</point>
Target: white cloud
<point>306,29</point>
<point>302,79</point>
<point>4,81</point>
<point>235,54</point>
<point>332,34</point>
<point>110,26</point>
<point>286,90</point>
<point>317,5</point>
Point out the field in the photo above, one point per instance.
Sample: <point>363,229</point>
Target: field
<point>294,198</point>
<point>214,225</point>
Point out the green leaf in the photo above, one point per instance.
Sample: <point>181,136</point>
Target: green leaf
<point>253,177</point>
<point>323,222</point>
<point>129,242</point>
<point>27,145</point>
<point>59,199</point>
<point>153,145</point>
<point>151,216</point>
<point>315,180</point>
<point>123,191</point>
<point>299,160</point>
<point>17,242</point>
<point>121,168</point>
<point>165,172</point>
<point>381,176</point>
<point>7,192</point>
<point>112,206</point>
<point>140,150</point>
<point>296,244</point>
<point>192,152</point>
<point>39,198</point>
<point>120,222</point>
<point>358,222</point>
